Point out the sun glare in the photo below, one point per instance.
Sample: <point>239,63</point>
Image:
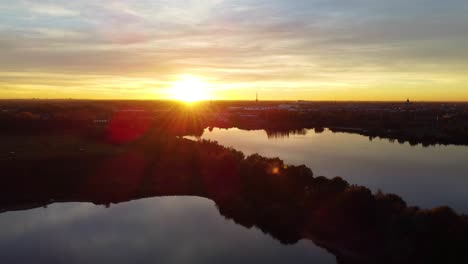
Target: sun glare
<point>189,89</point>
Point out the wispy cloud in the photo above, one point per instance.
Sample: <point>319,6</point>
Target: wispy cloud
<point>51,10</point>
<point>298,45</point>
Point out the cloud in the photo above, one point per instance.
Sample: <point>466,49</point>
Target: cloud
<point>52,10</point>
<point>269,43</point>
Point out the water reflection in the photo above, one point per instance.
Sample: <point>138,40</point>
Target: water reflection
<point>423,176</point>
<point>161,230</point>
<point>285,202</point>
<point>278,134</point>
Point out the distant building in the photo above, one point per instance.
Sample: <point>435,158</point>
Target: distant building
<point>290,107</point>
<point>100,121</point>
<point>408,103</point>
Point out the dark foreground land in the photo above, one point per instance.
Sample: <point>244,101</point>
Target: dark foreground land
<point>127,162</point>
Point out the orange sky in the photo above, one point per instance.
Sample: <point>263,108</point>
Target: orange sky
<point>284,50</point>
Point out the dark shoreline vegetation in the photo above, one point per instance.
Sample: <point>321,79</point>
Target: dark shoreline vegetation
<point>419,123</point>
<point>286,202</point>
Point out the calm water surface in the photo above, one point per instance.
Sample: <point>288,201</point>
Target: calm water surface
<point>156,230</point>
<point>426,177</point>
<point>191,230</point>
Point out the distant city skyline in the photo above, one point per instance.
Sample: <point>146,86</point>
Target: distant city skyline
<point>318,50</point>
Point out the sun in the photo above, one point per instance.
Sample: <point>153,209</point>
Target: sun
<point>189,89</point>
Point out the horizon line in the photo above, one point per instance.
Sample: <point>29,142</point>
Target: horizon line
<point>233,100</point>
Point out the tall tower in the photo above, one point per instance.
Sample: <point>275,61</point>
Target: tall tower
<point>256,97</point>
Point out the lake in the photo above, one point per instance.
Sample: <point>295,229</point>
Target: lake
<point>180,229</point>
<point>422,176</point>
<point>167,220</point>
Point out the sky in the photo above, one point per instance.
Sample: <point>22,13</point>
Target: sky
<point>293,50</point>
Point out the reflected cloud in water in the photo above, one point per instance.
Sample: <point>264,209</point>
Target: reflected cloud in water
<point>423,176</point>
<point>163,230</point>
